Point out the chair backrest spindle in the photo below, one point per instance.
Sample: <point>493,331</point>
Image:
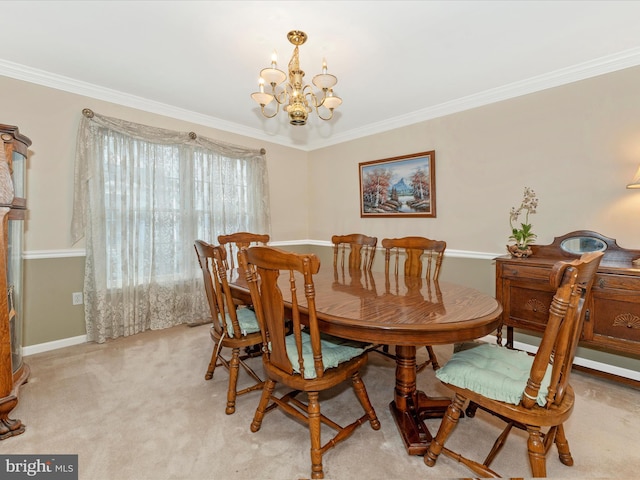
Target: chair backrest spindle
<point>417,250</point>
<point>215,269</point>
<point>361,248</point>
<point>233,242</point>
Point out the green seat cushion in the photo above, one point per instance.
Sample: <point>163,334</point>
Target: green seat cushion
<point>334,352</point>
<point>494,372</point>
<point>247,320</point>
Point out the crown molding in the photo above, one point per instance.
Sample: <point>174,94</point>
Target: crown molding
<point>582,71</point>
<point>67,84</point>
<point>603,65</point>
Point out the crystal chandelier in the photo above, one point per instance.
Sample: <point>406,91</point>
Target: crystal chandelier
<point>296,98</point>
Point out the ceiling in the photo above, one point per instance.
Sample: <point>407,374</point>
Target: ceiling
<point>397,62</point>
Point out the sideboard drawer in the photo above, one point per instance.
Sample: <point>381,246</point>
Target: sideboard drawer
<point>617,282</point>
<point>525,272</point>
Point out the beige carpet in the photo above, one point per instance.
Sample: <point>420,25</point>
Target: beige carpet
<point>139,408</point>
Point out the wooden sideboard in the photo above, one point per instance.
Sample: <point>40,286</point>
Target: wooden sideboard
<point>612,317</point>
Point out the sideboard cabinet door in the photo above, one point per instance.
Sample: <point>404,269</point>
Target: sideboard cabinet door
<point>615,320</point>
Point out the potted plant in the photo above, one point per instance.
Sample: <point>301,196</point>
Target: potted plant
<point>522,235</point>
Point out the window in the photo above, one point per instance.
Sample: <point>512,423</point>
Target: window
<point>142,197</point>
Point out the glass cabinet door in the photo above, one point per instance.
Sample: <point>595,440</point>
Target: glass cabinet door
<point>14,258</point>
<point>14,291</point>
<point>17,174</point>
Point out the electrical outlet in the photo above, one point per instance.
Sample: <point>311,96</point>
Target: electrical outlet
<point>76,298</point>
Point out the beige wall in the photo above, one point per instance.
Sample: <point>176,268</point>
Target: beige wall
<point>577,146</point>
<point>50,118</point>
<point>53,269</point>
<point>48,311</point>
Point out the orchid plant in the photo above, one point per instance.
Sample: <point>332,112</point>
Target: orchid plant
<point>522,235</point>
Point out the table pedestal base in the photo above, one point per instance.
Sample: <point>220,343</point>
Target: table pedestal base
<point>410,407</point>
<point>414,432</point>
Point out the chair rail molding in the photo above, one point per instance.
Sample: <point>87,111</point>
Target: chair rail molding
<point>448,253</point>
<point>80,252</point>
<point>40,254</point>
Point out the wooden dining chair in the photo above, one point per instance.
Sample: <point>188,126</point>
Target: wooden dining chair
<point>422,259</point>
<point>361,251</point>
<point>303,360</point>
<point>527,392</point>
<point>233,327</point>
<point>233,242</point>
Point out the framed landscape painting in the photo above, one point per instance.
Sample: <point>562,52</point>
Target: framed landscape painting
<point>399,187</point>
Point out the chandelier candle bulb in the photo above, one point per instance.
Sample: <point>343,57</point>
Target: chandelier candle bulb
<point>324,66</point>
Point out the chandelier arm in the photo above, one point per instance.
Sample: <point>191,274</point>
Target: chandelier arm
<point>280,97</point>
<point>323,118</point>
<point>314,99</point>
<point>316,104</point>
<point>274,113</point>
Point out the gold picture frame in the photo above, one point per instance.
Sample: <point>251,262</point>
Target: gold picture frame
<point>402,186</point>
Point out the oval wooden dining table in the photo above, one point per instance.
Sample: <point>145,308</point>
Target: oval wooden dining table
<point>403,311</point>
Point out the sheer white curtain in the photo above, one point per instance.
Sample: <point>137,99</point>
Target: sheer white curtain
<point>142,196</point>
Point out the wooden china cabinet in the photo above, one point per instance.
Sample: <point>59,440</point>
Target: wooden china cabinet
<point>13,372</point>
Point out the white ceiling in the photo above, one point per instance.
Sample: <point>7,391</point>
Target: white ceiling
<point>397,62</point>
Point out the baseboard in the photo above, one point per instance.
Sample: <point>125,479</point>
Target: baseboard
<point>54,345</point>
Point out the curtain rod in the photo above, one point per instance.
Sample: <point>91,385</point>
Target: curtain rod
<point>87,112</point>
